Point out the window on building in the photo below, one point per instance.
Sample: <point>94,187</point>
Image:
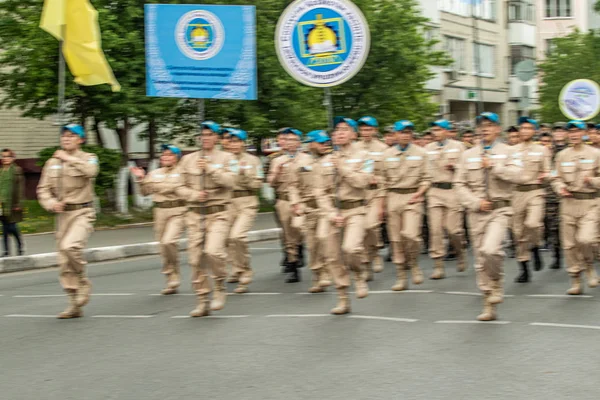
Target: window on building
<point>521,10</point>
<point>483,54</point>
<point>558,9</point>
<point>484,9</point>
<point>456,48</point>
<point>550,45</point>
<point>518,54</point>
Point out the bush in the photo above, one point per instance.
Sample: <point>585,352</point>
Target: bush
<point>109,162</point>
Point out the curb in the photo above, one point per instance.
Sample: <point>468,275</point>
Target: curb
<point>99,254</point>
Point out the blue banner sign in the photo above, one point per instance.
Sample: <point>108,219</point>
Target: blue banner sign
<point>201,51</point>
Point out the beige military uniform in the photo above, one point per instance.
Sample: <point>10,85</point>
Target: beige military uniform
<point>169,219</point>
<point>404,173</point>
<point>71,183</point>
<point>473,184</point>
<point>303,193</point>
<point>249,176</point>
<point>207,253</point>
<point>528,200</point>
<point>578,213</point>
<point>375,149</point>
<point>287,165</point>
<point>444,210</point>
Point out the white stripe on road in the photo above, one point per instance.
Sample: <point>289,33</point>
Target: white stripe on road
<point>565,325</point>
<point>396,292</point>
<point>212,316</point>
<point>123,316</point>
<point>474,294</point>
<point>372,317</point>
<point>229,294</point>
<point>29,316</point>
<point>32,296</point>
<point>264,248</point>
<point>560,296</point>
<point>473,322</point>
<point>297,315</point>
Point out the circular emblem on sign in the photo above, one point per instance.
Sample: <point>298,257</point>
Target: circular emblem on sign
<point>580,99</point>
<point>322,43</point>
<point>200,35</point>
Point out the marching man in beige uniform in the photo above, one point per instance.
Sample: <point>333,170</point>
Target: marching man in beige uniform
<point>244,207</point>
<point>303,197</point>
<point>280,177</point>
<point>577,179</point>
<point>349,170</point>
<point>208,180</point>
<point>443,206</point>
<point>169,211</point>
<point>528,200</point>
<point>484,183</point>
<point>406,179</point>
<point>66,188</point>
<point>368,134</point>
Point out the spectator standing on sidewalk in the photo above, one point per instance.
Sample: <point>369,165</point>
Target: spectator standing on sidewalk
<point>11,196</point>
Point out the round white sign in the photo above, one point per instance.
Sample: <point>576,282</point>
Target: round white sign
<point>580,99</point>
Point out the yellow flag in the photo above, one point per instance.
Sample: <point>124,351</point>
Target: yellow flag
<point>81,40</point>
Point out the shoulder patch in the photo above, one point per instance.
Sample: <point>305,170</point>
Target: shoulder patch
<point>474,159</point>
<point>368,166</point>
<point>567,164</point>
<point>56,166</point>
<point>93,160</point>
<point>414,158</point>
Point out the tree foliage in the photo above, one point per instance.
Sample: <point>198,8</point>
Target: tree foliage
<point>391,85</point>
<point>575,56</point>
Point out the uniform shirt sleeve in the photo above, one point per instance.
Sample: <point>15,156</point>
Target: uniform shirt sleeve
<point>44,189</point>
<point>595,181</point>
<point>356,178</point>
<point>252,176</point>
<point>425,179</point>
<point>556,179</point>
<point>294,188</point>
<point>222,175</point>
<point>506,169</point>
<point>89,166</point>
<point>146,186</point>
<point>466,197</point>
<point>273,179</point>
<point>185,191</point>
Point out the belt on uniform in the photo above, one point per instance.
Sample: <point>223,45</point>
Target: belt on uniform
<point>311,203</point>
<point>528,188</point>
<point>500,204</point>
<point>584,196</point>
<point>243,193</point>
<point>282,196</point>
<point>75,207</point>
<point>442,185</point>
<point>207,210</point>
<point>350,204</point>
<point>403,191</point>
<point>171,204</point>
<point>373,186</point>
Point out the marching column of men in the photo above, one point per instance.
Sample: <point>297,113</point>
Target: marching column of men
<point>337,200</point>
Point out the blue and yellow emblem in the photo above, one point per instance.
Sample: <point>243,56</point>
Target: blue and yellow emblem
<point>200,35</point>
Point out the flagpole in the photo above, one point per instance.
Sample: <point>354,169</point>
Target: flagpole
<point>60,119</point>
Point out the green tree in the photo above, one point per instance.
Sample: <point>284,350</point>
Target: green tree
<point>573,57</point>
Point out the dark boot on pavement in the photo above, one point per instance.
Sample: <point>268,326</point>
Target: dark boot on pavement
<point>524,276</point>
<point>538,263</point>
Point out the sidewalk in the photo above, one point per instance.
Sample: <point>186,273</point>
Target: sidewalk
<point>107,245</point>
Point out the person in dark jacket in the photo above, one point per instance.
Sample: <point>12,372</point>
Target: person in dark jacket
<point>11,197</point>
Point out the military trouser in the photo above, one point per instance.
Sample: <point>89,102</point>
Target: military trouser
<point>404,228</point>
<point>292,236</point>
<point>346,253</point>
<point>444,214</point>
<point>207,252</point>
<point>242,211</point>
<point>527,222</point>
<point>315,231</point>
<point>487,233</point>
<point>578,229</point>
<point>169,224</point>
<point>372,229</point>
<point>73,231</point>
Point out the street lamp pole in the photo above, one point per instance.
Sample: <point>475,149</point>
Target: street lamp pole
<point>477,55</point>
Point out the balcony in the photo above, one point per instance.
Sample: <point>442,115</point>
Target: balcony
<point>520,32</point>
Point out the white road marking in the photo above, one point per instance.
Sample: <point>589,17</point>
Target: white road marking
<point>296,315</point>
<point>123,316</point>
<point>32,296</point>
<point>372,317</point>
<point>29,316</point>
<point>473,322</point>
<point>264,248</point>
<point>254,294</point>
<point>464,293</point>
<point>394,292</point>
<point>565,325</point>
<point>560,296</point>
<point>212,316</point>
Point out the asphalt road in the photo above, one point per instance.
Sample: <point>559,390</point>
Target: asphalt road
<point>280,343</point>
<point>37,244</point>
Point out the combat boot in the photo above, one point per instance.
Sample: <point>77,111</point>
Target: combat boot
<point>524,276</point>
<point>438,272</point>
<point>489,310</point>
<point>592,278</point>
<point>461,263</point>
<point>245,278</point>
<point>219,296</point>
<point>241,288</point>
<point>73,310</point>
<point>202,309</point>
<point>497,295</point>
<point>538,264</point>
<point>368,272</point>
<point>556,263</point>
<point>575,286</point>
<point>294,274</point>
<point>324,278</point>
<point>168,291</point>
<point>83,293</point>
<point>234,278</point>
<point>343,305</point>
<point>401,281</point>
<point>316,287</point>
<point>377,264</point>
<point>417,275</point>
<point>360,286</point>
